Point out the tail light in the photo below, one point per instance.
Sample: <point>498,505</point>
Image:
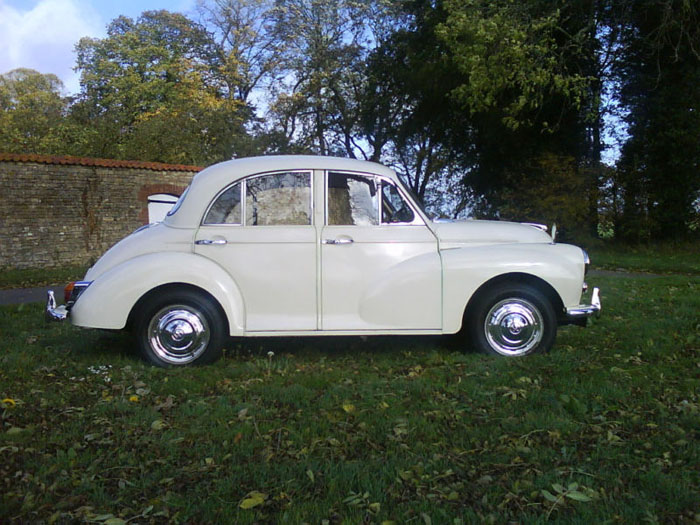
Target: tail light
<point>68,291</point>
<point>73,290</point>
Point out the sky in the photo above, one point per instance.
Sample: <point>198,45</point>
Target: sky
<point>41,34</point>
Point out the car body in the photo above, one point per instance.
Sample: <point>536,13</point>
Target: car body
<point>306,245</point>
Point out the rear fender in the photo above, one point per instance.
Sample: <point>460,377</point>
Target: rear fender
<point>107,302</point>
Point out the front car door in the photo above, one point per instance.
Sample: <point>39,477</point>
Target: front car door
<point>380,264</point>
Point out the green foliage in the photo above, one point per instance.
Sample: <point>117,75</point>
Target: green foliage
<point>390,429</point>
<point>32,111</point>
<point>510,58</point>
<point>150,91</point>
<point>549,192</point>
<point>495,103</point>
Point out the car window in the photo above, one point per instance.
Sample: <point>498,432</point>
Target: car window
<point>227,207</point>
<point>352,200</point>
<point>394,206</point>
<point>278,198</point>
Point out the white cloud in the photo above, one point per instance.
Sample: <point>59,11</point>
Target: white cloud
<point>44,36</point>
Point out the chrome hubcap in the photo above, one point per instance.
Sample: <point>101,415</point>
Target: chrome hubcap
<point>178,334</point>
<point>513,327</point>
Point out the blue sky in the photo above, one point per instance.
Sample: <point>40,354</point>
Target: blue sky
<point>41,34</point>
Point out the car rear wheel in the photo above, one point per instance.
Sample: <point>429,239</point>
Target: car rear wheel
<point>178,328</point>
<point>512,320</point>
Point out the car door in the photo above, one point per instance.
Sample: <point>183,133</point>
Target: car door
<point>379,261</point>
<point>261,231</point>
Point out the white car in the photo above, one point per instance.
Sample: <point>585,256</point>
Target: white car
<point>304,245</point>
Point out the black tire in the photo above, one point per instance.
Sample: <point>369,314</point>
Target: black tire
<point>512,320</point>
<point>179,328</point>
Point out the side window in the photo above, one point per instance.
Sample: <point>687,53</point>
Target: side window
<point>279,198</point>
<point>394,207</point>
<point>352,200</point>
<point>227,207</point>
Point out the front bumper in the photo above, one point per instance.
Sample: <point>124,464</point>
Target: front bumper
<point>579,314</point>
<point>54,313</point>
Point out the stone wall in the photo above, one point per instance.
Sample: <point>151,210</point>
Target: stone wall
<point>58,211</point>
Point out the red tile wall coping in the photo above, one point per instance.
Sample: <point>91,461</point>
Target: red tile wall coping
<point>101,163</point>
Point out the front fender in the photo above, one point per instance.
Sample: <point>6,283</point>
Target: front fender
<point>466,269</point>
<point>106,303</point>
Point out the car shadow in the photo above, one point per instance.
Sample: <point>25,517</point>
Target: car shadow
<point>341,346</point>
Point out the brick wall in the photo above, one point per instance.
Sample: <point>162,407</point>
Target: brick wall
<point>67,211</point>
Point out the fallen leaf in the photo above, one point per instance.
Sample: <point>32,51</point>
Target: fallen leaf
<point>253,500</point>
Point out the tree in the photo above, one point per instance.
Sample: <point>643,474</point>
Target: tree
<point>151,90</point>
<point>525,88</point>
<point>322,66</point>
<point>32,109</point>
<point>407,113</point>
<point>247,49</point>
<point>659,77</point>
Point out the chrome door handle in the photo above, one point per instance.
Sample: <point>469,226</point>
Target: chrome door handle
<point>210,241</point>
<point>337,241</point>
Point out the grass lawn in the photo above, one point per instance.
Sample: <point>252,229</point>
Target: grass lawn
<point>665,259</point>
<point>605,428</point>
<point>27,278</point>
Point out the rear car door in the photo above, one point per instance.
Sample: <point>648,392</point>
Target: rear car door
<point>261,231</point>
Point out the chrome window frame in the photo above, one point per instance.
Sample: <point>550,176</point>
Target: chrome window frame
<point>216,198</point>
<point>172,211</point>
<point>244,187</point>
<point>417,217</point>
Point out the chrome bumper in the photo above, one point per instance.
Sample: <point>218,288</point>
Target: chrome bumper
<point>583,311</point>
<point>54,313</point>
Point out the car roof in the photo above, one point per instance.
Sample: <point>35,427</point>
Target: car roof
<point>209,182</point>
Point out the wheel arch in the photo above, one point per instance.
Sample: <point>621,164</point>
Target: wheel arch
<point>173,287</point>
<point>109,300</point>
<point>516,278</point>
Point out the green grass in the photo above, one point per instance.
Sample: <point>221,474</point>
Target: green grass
<point>663,258</point>
<point>14,278</point>
<point>344,430</point>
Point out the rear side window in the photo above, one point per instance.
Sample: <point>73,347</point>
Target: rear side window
<point>279,198</point>
<point>227,207</point>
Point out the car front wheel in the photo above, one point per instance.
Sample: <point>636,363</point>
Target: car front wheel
<point>512,320</point>
<point>179,327</point>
